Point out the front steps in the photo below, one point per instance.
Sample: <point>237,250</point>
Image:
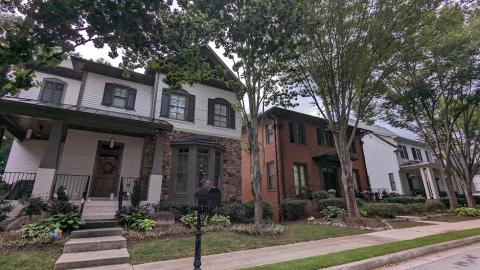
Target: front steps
<point>101,208</point>
<point>102,248</point>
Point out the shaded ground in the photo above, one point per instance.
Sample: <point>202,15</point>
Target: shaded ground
<point>400,224</point>
<point>450,218</point>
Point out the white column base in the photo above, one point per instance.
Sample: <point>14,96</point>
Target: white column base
<point>43,183</point>
<point>154,188</point>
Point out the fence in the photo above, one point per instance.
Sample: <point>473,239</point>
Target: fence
<point>16,185</point>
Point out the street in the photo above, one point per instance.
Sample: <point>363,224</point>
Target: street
<point>464,258</point>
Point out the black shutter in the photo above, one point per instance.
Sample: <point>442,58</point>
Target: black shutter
<point>108,94</point>
<point>131,97</point>
<point>191,108</point>
<point>303,139</point>
<point>290,130</point>
<point>165,104</point>
<point>414,153</point>
<point>404,148</point>
<point>231,117</point>
<point>419,154</point>
<point>211,108</point>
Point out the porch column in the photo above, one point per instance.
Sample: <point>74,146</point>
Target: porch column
<point>428,181</point>
<point>48,165</point>
<point>156,177</point>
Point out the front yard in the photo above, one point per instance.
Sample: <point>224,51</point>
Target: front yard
<point>220,242</point>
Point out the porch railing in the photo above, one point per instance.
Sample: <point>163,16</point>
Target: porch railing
<point>127,186</point>
<point>17,185</point>
<point>76,186</point>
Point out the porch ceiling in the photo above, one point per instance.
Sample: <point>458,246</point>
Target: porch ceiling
<point>14,110</point>
<point>414,165</point>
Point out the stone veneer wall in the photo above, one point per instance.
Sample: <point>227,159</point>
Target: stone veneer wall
<point>232,183</point>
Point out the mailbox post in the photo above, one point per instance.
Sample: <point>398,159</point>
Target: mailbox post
<point>207,199</point>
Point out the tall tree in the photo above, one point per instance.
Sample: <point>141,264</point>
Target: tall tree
<point>437,71</point>
<point>253,34</point>
<point>346,50</point>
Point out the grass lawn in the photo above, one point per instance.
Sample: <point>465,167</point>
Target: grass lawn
<point>220,242</point>
<point>450,218</point>
<point>400,224</point>
<point>358,254</point>
<point>26,260</point>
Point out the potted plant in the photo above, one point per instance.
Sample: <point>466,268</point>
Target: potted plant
<point>332,193</point>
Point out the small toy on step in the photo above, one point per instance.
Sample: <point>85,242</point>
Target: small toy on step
<point>57,234</point>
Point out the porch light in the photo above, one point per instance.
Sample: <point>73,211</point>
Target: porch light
<point>112,143</point>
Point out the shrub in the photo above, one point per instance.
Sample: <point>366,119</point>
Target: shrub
<point>5,208</point>
<point>184,208</point>
<point>69,221</point>
<point>33,206</point>
<point>387,210</point>
<point>136,196</point>
<point>56,207</point>
<point>332,212</point>
<point>446,201</point>
<point>468,212</point>
<point>236,212</point>
<point>305,193</point>
<point>190,220</point>
<point>274,229</point>
<point>247,229</point>
<point>337,202</point>
<point>404,199</point>
<point>292,209</point>
<point>61,194</point>
<point>162,206</point>
<point>319,195</point>
<point>136,218</point>
<point>218,221</point>
<point>267,212</point>
<point>143,225</point>
<point>39,230</point>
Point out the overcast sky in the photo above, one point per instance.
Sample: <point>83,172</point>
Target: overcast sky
<point>88,51</point>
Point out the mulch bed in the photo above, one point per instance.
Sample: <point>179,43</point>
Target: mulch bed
<point>10,242</point>
<point>368,224</point>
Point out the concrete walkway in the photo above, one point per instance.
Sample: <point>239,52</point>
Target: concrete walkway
<point>268,255</point>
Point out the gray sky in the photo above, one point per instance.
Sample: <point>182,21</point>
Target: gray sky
<point>88,51</point>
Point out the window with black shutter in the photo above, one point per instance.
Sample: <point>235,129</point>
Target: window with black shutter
<point>119,96</point>
<point>52,91</point>
<point>221,113</point>
<point>269,133</point>
<point>324,137</point>
<point>178,105</point>
<point>297,133</point>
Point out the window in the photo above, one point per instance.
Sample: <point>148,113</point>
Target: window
<point>182,170</point>
<point>356,179</point>
<point>417,154</point>
<point>427,156</point>
<point>269,133</point>
<point>52,91</point>
<point>403,151</point>
<point>299,177</point>
<point>297,133</point>
<point>179,105</point>
<point>392,182</point>
<point>119,96</point>
<point>221,113</point>
<point>324,137</point>
<point>202,163</point>
<point>271,179</point>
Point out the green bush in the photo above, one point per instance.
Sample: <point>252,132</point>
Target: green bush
<point>69,221</point>
<point>143,225</point>
<point>162,206</point>
<point>5,208</point>
<point>247,229</point>
<point>319,195</point>
<point>219,221</point>
<point>404,199</point>
<point>337,202</point>
<point>40,230</point>
<point>468,212</point>
<point>136,196</point>
<point>292,209</point>
<point>190,220</point>
<point>236,212</point>
<point>267,212</point>
<point>33,206</point>
<point>136,219</point>
<point>274,229</point>
<point>389,210</point>
<point>252,230</point>
<point>332,212</point>
<point>461,201</point>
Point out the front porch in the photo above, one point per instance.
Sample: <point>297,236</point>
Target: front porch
<point>93,156</point>
<point>421,178</point>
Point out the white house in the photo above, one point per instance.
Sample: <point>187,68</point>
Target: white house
<point>97,133</point>
<point>398,164</point>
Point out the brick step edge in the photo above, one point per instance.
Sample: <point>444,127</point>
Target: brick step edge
<point>401,256</point>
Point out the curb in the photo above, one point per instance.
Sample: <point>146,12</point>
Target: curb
<point>401,256</point>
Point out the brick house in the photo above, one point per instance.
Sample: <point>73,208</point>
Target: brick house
<point>97,133</point>
<point>296,151</point>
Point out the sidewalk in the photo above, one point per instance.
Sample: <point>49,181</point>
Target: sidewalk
<point>268,255</point>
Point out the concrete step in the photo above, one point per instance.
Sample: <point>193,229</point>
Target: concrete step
<point>109,267</point>
<point>100,223</point>
<point>94,216</point>
<point>92,258</point>
<point>94,244</point>
<point>98,232</point>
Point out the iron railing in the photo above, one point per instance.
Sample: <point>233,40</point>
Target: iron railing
<point>127,186</point>
<point>76,186</point>
<point>17,185</point>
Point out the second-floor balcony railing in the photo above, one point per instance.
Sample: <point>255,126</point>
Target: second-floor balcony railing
<point>16,185</point>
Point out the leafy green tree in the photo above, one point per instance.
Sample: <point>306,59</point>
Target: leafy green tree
<point>433,88</point>
<point>346,49</point>
<point>253,34</point>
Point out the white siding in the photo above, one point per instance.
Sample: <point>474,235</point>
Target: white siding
<point>380,160</point>
<point>25,156</point>
<point>71,92</point>
<point>80,149</point>
<point>202,94</point>
<point>95,86</point>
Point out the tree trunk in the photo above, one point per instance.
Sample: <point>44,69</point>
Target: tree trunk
<point>347,173</point>
<point>469,196</point>
<point>255,176</point>
<point>449,186</point>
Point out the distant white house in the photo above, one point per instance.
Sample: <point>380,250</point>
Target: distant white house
<point>398,164</point>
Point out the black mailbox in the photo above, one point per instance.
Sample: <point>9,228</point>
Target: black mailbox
<point>214,197</point>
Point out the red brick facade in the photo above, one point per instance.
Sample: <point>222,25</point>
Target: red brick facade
<point>285,154</point>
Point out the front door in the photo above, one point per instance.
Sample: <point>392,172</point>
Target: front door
<point>107,168</point>
<point>330,179</point>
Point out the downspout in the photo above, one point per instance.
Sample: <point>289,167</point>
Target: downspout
<point>155,94</point>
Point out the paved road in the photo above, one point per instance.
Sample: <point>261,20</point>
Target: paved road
<point>463,258</point>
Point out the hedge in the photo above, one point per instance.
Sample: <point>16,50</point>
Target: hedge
<point>243,212</point>
<point>389,210</point>
<point>404,199</point>
<point>337,202</point>
<point>292,209</point>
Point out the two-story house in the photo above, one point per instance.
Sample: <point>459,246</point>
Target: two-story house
<point>95,132</point>
<point>297,152</point>
<point>401,165</point>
